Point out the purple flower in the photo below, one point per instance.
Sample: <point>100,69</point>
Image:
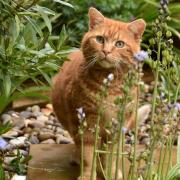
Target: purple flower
<point>81,115</point>
<point>177,106</point>
<point>124,130</point>
<point>141,56</point>
<point>3,143</point>
<point>164,5</point>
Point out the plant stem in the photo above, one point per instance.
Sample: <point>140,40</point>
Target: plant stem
<point>123,163</point>
<point>82,155</point>
<point>121,122</point>
<point>136,124</point>
<point>152,144</point>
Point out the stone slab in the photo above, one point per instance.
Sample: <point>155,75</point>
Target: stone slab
<point>52,162</point>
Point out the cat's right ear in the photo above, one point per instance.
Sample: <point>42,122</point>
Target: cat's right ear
<point>95,18</point>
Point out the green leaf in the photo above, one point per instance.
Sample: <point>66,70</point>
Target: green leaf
<point>5,128</point>
<point>34,25</point>
<point>2,176</point>
<point>45,18</point>
<point>7,85</point>
<point>62,38</point>
<point>64,3</point>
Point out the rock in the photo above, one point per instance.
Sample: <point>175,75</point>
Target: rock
<point>3,143</point>
<point>51,118</point>
<point>66,134</point>
<point>46,111</point>
<point>34,140</point>
<point>11,134</point>
<point>18,177</point>
<point>19,141</point>
<point>18,122</point>
<point>59,130</point>
<point>49,106</point>
<point>7,160</point>
<point>27,130</point>
<point>143,112</point>
<point>6,118</point>
<point>42,118</point>
<point>49,126</point>
<point>35,108</point>
<point>25,114</point>
<point>46,135</point>
<point>60,139</point>
<point>48,141</point>
<point>23,152</point>
<point>38,124</point>
<point>29,109</point>
<point>36,114</point>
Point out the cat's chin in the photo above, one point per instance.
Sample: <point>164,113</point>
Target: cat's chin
<point>106,64</point>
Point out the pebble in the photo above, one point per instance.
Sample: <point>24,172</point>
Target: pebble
<point>33,139</point>
<point>35,108</point>
<point>46,135</point>
<point>60,139</point>
<point>11,134</point>
<point>38,124</point>
<point>27,130</point>
<point>18,177</point>
<point>6,118</point>
<point>7,160</point>
<point>46,111</point>
<point>19,141</point>
<point>25,114</point>
<point>42,118</point>
<point>48,141</point>
<point>23,152</point>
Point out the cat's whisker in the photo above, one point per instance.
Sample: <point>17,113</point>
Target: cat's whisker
<point>91,63</point>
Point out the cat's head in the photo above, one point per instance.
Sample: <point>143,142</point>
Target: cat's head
<point>111,43</point>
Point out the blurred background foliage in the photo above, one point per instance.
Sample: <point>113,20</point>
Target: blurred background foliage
<point>36,36</point>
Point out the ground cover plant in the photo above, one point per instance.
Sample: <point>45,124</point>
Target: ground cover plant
<point>33,44</point>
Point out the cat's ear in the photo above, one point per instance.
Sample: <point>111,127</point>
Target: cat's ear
<point>95,18</point>
<point>137,27</point>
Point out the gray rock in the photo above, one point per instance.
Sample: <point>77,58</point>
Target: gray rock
<point>46,135</point>
<point>42,118</point>
<point>29,109</point>
<point>49,126</point>
<point>35,108</point>
<point>36,114</point>
<point>18,177</point>
<point>6,118</point>
<point>7,160</point>
<point>25,114</point>
<point>34,140</point>
<point>59,130</point>
<point>48,141</point>
<point>11,134</point>
<point>21,151</point>
<point>3,143</point>
<point>19,141</point>
<point>60,139</point>
<point>27,130</point>
<point>38,124</point>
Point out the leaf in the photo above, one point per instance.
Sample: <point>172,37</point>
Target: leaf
<point>62,38</point>
<point>2,176</point>
<point>174,172</point>
<point>64,3</point>
<point>7,85</point>
<point>45,18</point>
<point>34,25</point>
<point>5,128</point>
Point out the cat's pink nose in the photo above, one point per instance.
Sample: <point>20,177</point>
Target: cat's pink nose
<point>106,52</point>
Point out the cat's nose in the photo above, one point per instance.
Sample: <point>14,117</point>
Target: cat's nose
<point>106,52</point>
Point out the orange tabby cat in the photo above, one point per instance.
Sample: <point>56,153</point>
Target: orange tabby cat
<point>108,47</point>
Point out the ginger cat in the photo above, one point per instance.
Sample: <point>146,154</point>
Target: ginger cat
<point>108,47</point>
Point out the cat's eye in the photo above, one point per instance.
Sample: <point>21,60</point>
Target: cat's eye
<point>119,44</point>
<point>100,39</point>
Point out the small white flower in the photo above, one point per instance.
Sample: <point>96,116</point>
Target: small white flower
<point>124,130</point>
<point>110,77</point>
<point>81,115</point>
<point>105,81</point>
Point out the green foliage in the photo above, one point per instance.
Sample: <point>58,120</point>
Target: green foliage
<point>5,128</point>
<point>27,48</point>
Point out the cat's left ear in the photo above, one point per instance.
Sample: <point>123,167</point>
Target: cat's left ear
<point>137,27</point>
<point>95,18</point>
